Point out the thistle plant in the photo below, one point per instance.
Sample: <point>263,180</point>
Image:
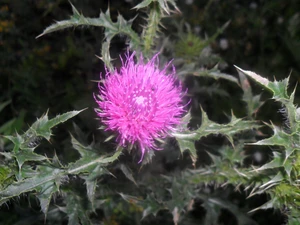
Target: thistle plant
<point>147,104</point>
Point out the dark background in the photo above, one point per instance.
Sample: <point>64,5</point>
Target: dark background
<point>56,72</point>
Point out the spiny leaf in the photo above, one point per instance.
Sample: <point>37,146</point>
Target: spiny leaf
<point>288,166</point>
<point>105,56</point>
<point>82,150</point>
<point>164,5</point>
<point>277,161</point>
<point>149,205</point>
<point>46,190</point>
<point>253,102</point>
<point>268,184</point>
<point>27,155</point>
<point>212,203</point>
<point>91,191</point>
<point>150,32</point>
<point>268,205</point>
<point>187,145</point>
<point>263,81</point>
<point>91,161</point>
<point>127,172</point>
<point>25,144</point>
<point>121,26</point>
<point>18,140</point>
<point>77,210</point>
<point>88,164</point>
<point>42,127</point>
<point>214,73</point>
<point>45,194</point>
<point>273,181</point>
<point>279,138</point>
<point>186,138</point>
<point>30,184</point>
<point>181,193</point>
<point>279,88</point>
<point>143,4</point>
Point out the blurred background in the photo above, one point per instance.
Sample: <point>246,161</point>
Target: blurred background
<point>57,72</point>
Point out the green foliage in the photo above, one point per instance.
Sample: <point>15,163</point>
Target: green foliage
<point>187,138</point>
<point>191,46</point>
<point>150,33</point>
<point>283,185</point>
<point>120,27</point>
<point>211,157</point>
<point>49,174</point>
<point>111,29</point>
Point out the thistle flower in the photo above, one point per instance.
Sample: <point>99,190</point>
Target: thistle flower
<point>140,103</point>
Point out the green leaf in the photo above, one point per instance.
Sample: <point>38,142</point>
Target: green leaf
<point>259,79</point>
<point>187,145</point>
<point>128,173</point>
<point>164,5</point>
<point>143,4</point>
<point>18,141</point>
<point>267,185</point>
<point>84,151</point>
<point>45,194</point>
<point>186,138</point>
<point>149,205</point>
<point>279,138</point>
<point>42,127</point>
<point>267,205</point>
<point>27,155</point>
<point>288,166</point>
<point>215,204</point>
<point>121,26</point>
<point>105,55</point>
<point>77,210</point>
<point>253,102</point>
<point>214,73</point>
<point>150,31</point>
<point>89,163</point>
<point>279,88</point>
<point>277,161</point>
<point>30,184</point>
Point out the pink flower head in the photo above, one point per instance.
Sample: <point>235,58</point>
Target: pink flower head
<point>140,103</point>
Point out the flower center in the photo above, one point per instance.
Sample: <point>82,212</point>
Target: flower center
<point>143,103</point>
<point>140,100</point>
